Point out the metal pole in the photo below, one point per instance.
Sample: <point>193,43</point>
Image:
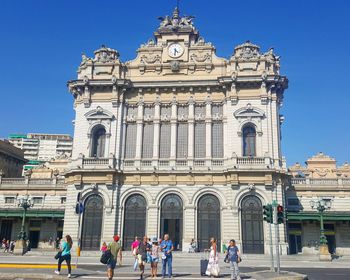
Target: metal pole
<point>276,236</point>
<point>323,239</point>
<point>272,268</point>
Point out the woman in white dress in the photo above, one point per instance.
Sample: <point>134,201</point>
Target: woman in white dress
<point>213,264</point>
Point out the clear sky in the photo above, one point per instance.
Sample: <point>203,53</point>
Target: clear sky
<point>41,44</point>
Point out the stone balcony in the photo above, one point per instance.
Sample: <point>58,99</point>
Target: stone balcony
<point>27,182</point>
<point>333,183</point>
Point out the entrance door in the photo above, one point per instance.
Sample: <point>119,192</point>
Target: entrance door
<point>295,244</point>
<point>208,221</point>
<point>134,219</point>
<point>6,229</point>
<point>34,238</point>
<point>252,225</point>
<point>171,219</point>
<point>92,223</point>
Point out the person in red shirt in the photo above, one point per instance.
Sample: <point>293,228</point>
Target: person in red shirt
<point>134,247</point>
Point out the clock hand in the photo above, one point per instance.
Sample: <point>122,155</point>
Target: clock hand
<point>175,51</point>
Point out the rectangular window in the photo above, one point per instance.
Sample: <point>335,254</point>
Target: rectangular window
<point>199,111</point>
<point>147,140</point>
<point>37,200</point>
<point>199,140</point>
<point>217,110</point>
<point>130,140</point>
<point>148,112</point>
<point>165,139</point>
<point>217,139</point>
<point>294,201</point>
<point>182,140</point>
<point>132,112</point>
<point>9,200</point>
<point>182,112</point>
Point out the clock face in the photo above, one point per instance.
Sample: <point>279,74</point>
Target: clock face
<point>175,50</point>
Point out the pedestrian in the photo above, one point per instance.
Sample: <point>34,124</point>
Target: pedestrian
<point>142,251</point>
<point>154,257</point>
<point>134,247</point>
<point>193,246</point>
<point>233,256</point>
<point>65,248</point>
<point>7,246</point>
<point>12,246</point>
<point>104,247</point>
<point>167,258</point>
<point>116,250</point>
<point>213,268</point>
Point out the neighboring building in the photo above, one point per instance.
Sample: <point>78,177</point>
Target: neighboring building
<point>11,160</point>
<point>39,147</point>
<point>321,178</point>
<point>44,222</point>
<point>177,141</point>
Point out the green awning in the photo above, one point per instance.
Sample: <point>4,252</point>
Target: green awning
<point>6,213</point>
<point>302,216</point>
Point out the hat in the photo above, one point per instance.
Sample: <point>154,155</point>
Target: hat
<point>116,238</point>
<point>154,239</point>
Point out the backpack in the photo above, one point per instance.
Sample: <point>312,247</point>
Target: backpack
<point>106,256</point>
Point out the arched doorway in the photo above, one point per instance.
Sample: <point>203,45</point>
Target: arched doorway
<point>208,215</point>
<point>171,219</point>
<point>134,219</point>
<point>252,225</point>
<point>92,223</point>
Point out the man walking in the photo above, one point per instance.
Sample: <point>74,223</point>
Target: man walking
<point>116,251</point>
<point>167,258</point>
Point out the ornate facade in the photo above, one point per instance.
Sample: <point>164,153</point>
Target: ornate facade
<point>176,141</point>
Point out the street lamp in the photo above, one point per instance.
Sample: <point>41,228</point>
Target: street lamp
<point>24,202</point>
<point>321,205</point>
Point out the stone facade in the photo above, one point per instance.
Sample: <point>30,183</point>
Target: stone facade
<point>177,121</point>
<point>320,178</point>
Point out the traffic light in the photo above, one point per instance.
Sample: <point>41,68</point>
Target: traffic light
<point>267,212</point>
<point>280,214</point>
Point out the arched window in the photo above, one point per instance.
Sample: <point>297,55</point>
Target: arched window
<point>249,141</point>
<point>208,220</point>
<point>98,142</point>
<point>134,219</point>
<point>171,219</point>
<point>92,223</point>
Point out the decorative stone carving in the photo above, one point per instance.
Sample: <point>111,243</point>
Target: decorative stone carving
<point>176,21</point>
<point>175,66</point>
<point>247,51</point>
<point>249,112</point>
<point>106,55</point>
<point>201,58</point>
<point>151,59</point>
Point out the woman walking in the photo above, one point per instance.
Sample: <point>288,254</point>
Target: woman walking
<point>234,258</point>
<point>142,250</point>
<point>66,246</point>
<point>213,264</point>
<point>154,257</point>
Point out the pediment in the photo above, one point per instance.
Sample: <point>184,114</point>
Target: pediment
<point>99,114</point>
<point>249,112</point>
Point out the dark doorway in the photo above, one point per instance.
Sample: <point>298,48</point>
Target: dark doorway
<point>34,236</point>
<point>134,219</point>
<point>171,219</point>
<point>295,244</point>
<point>252,225</point>
<point>6,229</point>
<point>208,221</point>
<point>92,223</point>
<point>331,243</point>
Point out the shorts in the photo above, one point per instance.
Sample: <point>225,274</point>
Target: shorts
<point>155,259</point>
<point>111,263</point>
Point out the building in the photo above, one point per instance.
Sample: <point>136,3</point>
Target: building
<point>39,147</point>
<point>320,178</point>
<point>178,141</point>
<point>11,160</point>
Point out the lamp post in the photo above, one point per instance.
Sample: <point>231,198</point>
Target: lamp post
<point>321,205</point>
<point>25,203</point>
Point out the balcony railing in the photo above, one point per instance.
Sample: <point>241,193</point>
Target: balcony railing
<point>314,182</point>
<point>28,182</point>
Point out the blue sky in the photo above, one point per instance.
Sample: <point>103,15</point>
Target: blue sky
<point>41,44</point>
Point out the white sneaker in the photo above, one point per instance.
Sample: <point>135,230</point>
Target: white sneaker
<point>69,276</point>
<point>57,272</point>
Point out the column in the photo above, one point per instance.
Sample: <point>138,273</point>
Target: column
<point>139,133</point>
<point>156,131</point>
<point>208,132</point>
<point>190,150</point>
<point>173,122</point>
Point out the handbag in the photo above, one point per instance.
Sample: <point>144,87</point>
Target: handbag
<point>58,255</point>
<point>239,259</point>
<point>106,256</point>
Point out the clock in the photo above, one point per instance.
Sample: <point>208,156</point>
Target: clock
<point>175,50</point>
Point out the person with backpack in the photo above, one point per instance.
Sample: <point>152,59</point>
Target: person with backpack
<point>116,251</point>
<point>233,257</point>
<point>65,255</point>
